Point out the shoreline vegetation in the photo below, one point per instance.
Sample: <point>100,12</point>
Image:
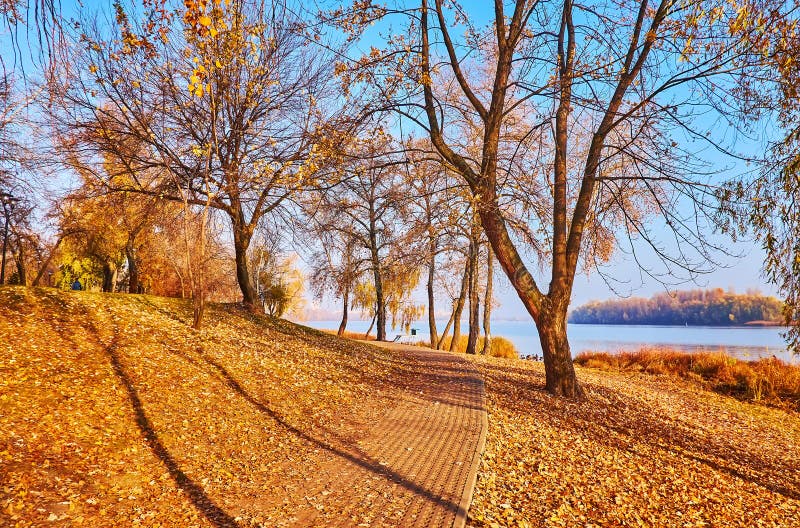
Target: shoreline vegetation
<point>349,334</point>
<point>713,307</point>
<point>767,380</point>
<point>500,346</point>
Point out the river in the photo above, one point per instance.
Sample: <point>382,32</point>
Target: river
<point>740,342</point>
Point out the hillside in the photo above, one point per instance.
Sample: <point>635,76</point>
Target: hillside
<point>114,412</point>
<point>694,308</point>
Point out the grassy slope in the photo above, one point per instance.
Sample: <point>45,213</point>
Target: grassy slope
<point>113,411</point>
<point>643,450</point>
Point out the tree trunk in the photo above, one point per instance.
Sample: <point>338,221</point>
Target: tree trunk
<point>133,268</point>
<point>22,277</point>
<point>108,277</point>
<point>180,280</point>
<point>431,300</point>
<point>381,314</point>
<point>380,302</point>
<point>371,324</point>
<point>198,284</point>
<point>560,377</point>
<point>474,301</point>
<point>199,305</point>
<point>459,309</point>
<point>345,301</point>
<point>47,261</point>
<point>241,242</point>
<point>446,331</point>
<point>487,302</point>
<point>5,247</point>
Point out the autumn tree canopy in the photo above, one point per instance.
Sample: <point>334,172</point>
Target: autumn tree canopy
<point>237,112</point>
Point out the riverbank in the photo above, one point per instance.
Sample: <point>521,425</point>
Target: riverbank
<point>641,450</point>
<point>743,342</point>
<point>766,380</point>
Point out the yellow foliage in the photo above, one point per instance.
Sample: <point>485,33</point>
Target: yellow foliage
<point>501,347</point>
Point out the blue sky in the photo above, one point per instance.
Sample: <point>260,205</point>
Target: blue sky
<point>741,271</point>
<point>740,274</point>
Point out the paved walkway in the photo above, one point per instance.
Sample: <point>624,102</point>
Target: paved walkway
<point>418,467</point>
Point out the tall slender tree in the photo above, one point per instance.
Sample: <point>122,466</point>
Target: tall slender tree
<point>336,264</point>
<point>488,299</point>
<point>434,208</point>
<point>368,207</point>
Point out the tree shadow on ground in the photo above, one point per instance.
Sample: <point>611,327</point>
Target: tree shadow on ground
<point>355,455</point>
<point>417,378</point>
<point>216,515</point>
<point>196,494</point>
<point>147,302</point>
<point>605,416</point>
<point>341,447</point>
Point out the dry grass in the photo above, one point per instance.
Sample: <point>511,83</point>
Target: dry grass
<point>352,335</point>
<point>766,380</point>
<point>501,347</point>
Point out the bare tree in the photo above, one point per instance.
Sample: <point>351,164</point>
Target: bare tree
<point>435,209</point>
<point>336,265</point>
<point>367,208</point>
<point>632,79</point>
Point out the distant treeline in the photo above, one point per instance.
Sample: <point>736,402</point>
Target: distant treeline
<point>695,307</point>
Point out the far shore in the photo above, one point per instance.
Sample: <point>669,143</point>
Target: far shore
<point>749,324</point>
<point>766,323</point>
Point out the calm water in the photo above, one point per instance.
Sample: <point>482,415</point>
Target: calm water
<point>742,342</point>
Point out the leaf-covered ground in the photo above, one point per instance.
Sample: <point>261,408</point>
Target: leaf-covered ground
<point>113,412</point>
<point>640,451</point>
